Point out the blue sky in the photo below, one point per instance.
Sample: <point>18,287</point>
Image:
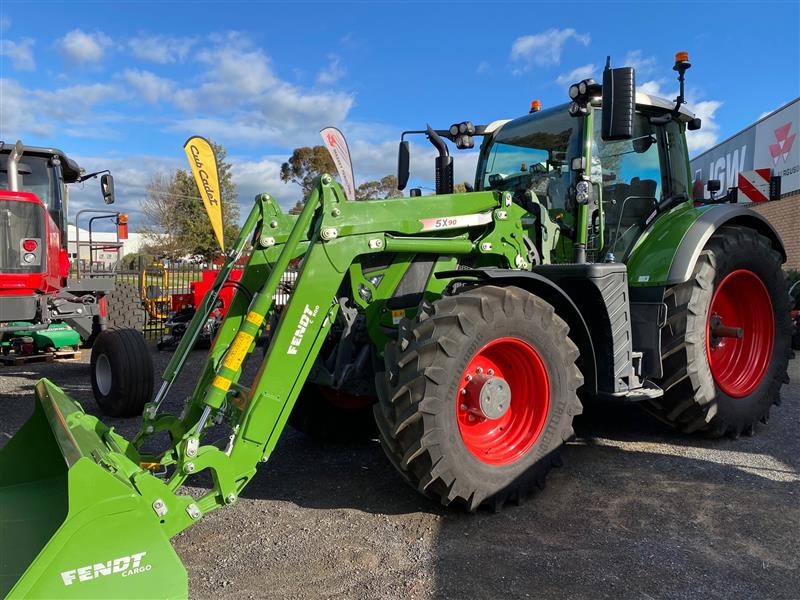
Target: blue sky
<point>121,85</point>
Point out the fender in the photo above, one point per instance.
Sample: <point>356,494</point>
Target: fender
<point>668,250</point>
<point>553,294</point>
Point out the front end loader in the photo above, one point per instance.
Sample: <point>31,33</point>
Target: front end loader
<point>472,325</point>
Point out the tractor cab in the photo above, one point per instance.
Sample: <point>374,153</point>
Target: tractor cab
<point>541,158</point>
<point>33,198</point>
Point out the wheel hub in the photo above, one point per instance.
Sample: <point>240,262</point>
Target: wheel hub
<point>486,396</point>
<point>494,397</point>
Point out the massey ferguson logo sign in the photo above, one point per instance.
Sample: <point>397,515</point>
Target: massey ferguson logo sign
<point>781,148</point>
<point>124,565</point>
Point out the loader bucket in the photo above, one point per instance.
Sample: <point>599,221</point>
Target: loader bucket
<point>72,525</point>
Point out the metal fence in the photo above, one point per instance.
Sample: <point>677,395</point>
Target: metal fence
<point>158,284</point>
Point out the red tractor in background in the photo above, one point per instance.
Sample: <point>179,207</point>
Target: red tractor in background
<point>182,308</point>
<point>43,307</point>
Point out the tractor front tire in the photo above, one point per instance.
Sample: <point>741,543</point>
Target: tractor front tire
<point>478,396</point>
<point>327,416</point>
<point>714,382</point>
<point>121,372</point>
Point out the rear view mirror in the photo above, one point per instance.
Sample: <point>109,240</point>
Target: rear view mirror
<point>713,185</point>
<point>619,103</point>
<point>642,144</point>
<point>403,161</point>
<point>107,186</point>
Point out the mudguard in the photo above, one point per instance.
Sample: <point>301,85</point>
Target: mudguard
<point>667,251</point>
<point>552,293</point>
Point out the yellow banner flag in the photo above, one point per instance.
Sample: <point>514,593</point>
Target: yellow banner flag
<point>204,167</point>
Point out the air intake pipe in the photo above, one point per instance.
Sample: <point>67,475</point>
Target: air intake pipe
<point>444,163</point>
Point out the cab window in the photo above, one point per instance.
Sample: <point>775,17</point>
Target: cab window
<point>632,181</point>
<point>532,154</point>
<point>35,177</point>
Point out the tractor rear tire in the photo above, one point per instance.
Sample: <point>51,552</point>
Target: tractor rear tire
<point>121,372</point>
<point>725,385</point>
<point>124,307</point>
<point>330,417</point>
<point>450,428</point>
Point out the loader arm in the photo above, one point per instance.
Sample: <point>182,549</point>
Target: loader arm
<point>328,236</point>
<point>117,505</point>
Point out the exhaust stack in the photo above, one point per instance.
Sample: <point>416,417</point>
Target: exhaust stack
<point>13,171</point>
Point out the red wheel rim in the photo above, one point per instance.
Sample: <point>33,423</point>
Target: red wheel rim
<point>503,440</point>
<point>738,365</point>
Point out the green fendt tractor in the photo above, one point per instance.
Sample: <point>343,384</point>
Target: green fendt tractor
<point>473,326</point>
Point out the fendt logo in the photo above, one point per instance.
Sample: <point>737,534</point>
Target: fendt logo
<point>125,565</point>
<point>305,320</point>
<point>783,146</point>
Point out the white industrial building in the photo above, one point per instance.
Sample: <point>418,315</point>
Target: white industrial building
<point>106,256</point>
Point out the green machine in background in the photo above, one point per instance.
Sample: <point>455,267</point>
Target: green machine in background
<point>57,336</point>
<point>466,329</point>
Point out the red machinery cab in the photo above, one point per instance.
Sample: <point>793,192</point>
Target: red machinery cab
<point>33,245</point>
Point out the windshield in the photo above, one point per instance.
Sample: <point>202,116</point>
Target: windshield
<point>533,153</point>
<point>35,176</point>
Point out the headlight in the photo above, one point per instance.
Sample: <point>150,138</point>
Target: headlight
<point>582,191</point>
<point>574,92</point>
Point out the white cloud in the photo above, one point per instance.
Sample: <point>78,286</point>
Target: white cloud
<point>75,101</point>
<point>241,99</point>
<point>17,120</point>
<point>253,177</point>
<point>79,47</point>
<point>20,53</point>
<point>644,65</point>
<point>65,111</point>
<point>332,73</point>
<point>545,48</point>
<point>577,74</point>
<point>131,176</point>
<point>483,67</point>
<point>705,137</point>
<point>161,49</point>
<point>652,87</point>
<point>148,85</point>
<point>708,134</point>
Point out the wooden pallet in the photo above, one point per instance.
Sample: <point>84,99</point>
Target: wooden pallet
<point>15,360</point>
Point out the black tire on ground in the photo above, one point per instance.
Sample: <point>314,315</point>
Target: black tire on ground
<point>124,307</point>
<point>121,372</point>
<point>693,400</point>
<point>316,415</point>
<point>417,413</point>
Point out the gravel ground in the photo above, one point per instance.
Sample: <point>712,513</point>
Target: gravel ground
<point>636,512</point>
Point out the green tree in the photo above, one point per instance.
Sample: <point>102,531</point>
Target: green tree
<point>176,221</point>
<point>305,164</point>
<point>386,187</point>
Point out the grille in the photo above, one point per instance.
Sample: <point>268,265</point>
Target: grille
<point>19,220</point>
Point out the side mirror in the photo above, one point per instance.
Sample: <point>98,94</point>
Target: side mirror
<point>107,186</point>
<point>619,103</point>
<point>643,144</point>
<point>403,162</point>
<point>713,185</point>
